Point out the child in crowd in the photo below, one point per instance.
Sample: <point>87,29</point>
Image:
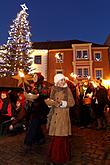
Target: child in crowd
<point>5,112</point>
<point>18,121</point>
<point>5,107</point>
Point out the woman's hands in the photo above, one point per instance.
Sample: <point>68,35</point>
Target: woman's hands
<point>56,103</point>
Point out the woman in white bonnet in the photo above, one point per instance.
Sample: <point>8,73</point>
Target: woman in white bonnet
<point>61,99</point>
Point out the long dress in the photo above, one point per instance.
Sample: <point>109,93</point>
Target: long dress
<point>38,114</point>
<point>60,126</point>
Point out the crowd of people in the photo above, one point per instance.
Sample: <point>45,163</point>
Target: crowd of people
<point>93,100</point>
<point>54,107</point>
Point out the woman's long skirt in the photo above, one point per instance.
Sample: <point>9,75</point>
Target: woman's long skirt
<point>59,149</point>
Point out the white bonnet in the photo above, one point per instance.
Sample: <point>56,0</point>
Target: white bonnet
<point>58,77</point>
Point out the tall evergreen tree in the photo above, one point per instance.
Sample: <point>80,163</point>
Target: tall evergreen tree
<point>18,48</point>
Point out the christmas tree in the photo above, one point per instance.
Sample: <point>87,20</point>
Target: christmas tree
<point>16,54</point>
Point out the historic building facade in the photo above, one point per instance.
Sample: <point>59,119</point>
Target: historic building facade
<point>84,59</point>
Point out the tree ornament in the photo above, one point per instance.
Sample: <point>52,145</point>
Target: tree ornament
<point>24,7</point>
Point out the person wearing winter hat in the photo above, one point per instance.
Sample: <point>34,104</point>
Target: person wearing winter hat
<point>59,125</point>
<point>58,77</point>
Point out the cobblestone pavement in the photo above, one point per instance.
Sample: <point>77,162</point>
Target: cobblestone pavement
<point>89,147</point>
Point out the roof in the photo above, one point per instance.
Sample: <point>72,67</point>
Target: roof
<point>49,45</point>
<point>107,42</point>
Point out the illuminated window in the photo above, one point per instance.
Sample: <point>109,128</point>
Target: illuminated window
<point>78,54</point>
<point>37,59</point>
<point>59,71</point>
<point>61,57</point>
<point>97,56</point>
<point>98,73</point>
<point>82,54</point>
<point>85,72</point>
<point>82,72</point>
<point>79,72</point>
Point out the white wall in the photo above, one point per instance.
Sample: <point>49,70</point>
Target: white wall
<point>40,67</point>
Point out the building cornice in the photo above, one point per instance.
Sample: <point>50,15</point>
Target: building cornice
<point>54,50</point>
<point>85,44</point>
<point>99,47</point>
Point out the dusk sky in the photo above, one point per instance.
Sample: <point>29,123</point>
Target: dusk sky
<point>58,20</point>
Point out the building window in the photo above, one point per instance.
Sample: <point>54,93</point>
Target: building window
<point>59,71</point>
<point>85,54</point>
<point>78,54</point>
<point>97,56</point>
<point>60,57</point>
<point>37,59</point>
<point>85,71</point>
<point>98,73</point>
<point>82,72</point>
<point>79,72</point>
<point>82,54</point>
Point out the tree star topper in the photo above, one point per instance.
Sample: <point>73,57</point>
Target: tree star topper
<point>24,7</point>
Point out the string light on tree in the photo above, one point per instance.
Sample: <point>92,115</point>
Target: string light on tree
<point>18,46</point>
